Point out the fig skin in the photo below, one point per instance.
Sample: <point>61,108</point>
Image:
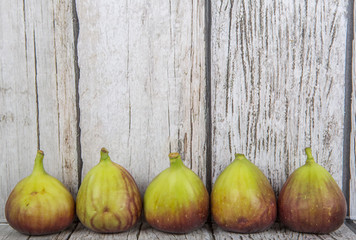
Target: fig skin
<point>108,199</point>
<point>40,204</point>
<point>176,201</point>
<point>242,199</point>
<point>311,201</point>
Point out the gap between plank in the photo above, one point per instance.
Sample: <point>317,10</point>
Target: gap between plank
<point>347,109</point>
<point>208,126</point>
<point>77,77</point>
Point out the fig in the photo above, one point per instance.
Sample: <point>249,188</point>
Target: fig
<point>39,204</point>
<point>242,199</point>
<point>108,199</point>
<point>310,200</point>
<point>176,201</point>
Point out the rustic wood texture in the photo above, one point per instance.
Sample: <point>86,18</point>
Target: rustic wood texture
<point>65,235</point>
<point>144,231</point>
<point>353,129</point>
<point>142,84</point>
<point>7,232</point>
<point>83,233</point>
<point>278,232</point>
<point>37,108</point>
<point>278,72</point>
<point>148,232</point>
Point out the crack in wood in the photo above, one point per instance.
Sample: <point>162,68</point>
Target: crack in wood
<point>77,78</point>
<point>36,89</point>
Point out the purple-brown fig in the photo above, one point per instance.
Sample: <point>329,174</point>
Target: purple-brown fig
<point>40,204</point>
<point>242,199</point>
<point>108,199</point>
<point>176,200</point>
<point>310,200</point>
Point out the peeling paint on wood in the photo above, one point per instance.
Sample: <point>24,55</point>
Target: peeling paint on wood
<point>278,84</point>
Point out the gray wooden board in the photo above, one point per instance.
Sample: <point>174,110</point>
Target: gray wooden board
<point>142,84</point>
<point>57,236</point>
<point>37,92</point>
<point>278,73</point>
<point>278,232</point>
<point>8,233</point>
<point>83,233</point>
<point>18,124</point>
<point>148,232</point>
<point>352,165</point>
<point>144,231</point>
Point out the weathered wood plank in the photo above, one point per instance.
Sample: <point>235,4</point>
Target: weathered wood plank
<point>49,31</point>
<point>278,232</point>
<point>353,130</point>
<point>7,232</point>
<point>278,72</point>
<point>57,236</point>
<point>83,233</point>
<point>147,232</point>
<point>38,107</point>
<point>142,84</point>
<point>18,124</point>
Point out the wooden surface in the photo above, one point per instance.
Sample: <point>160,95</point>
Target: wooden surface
<point>144,231</point>
<point>352,165</point>
<point>37,106</point>
<point>278,73</point>
<point>141,79</point>
<point>145,97</point>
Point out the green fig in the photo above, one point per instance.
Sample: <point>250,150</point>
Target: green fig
<point>108,199</point>
<point>176,200</point>
<point>242,199</point>
<point>310,200</point>
<point>39,204</point>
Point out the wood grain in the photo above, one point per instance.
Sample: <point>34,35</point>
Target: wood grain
<point>278,232</point>
<point>148,232</point>
<point>278,84</point>
<point>83,233</point>
<point>7,232</point>
<point>65,234</point>
<point>38,108</point>
<point>142,84</point>
<point>352,166</point>
<point>18,123</point>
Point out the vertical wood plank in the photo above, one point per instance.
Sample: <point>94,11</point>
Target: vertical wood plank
<point>37,91</point>
<point>49,31</point>
<point>18,122</point>
<point>278,72</point>
<point>353,128</point>
<point>142,86</point>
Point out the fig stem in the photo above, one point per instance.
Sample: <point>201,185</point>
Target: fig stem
<point>239,156</point>
<point>310,158</point>
<point>175,159</point>
<point>104,154</point>
<point>38,167</point>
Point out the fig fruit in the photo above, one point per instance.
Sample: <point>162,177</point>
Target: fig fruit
<point>39,204</point>
<point>108,199</point>
<point>310,200</point>
<point>242,199</point>
<point>176,200</point>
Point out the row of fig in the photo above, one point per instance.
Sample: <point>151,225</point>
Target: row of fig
<point>176,201</point>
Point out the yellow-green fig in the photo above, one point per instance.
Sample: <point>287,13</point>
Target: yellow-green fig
<point>39,204</point>
<point>310,200</point>
<point>108,199</point>
<point>176,200</point>
<point>242,199</point>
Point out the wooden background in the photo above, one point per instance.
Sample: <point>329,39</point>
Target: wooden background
<point>205,78</point>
